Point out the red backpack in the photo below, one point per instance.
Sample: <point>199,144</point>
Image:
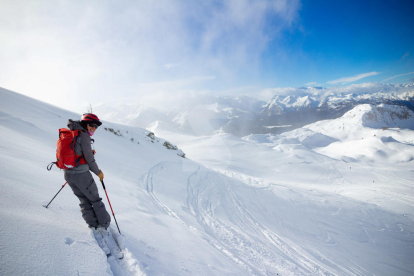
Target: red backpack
<point>65,153</point>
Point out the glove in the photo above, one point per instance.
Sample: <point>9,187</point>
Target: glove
<point>101,176</point>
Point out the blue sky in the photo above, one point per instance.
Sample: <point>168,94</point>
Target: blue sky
<point>336,39</point>
<point>74,52</point>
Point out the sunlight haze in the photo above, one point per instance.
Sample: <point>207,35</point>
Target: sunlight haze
<point>72,53</point>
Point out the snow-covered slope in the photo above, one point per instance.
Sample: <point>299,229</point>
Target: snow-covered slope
<point>308,181</point>
<point>369,133</point>
<point>381,116</point>
<point>255,211</point>
<point>56,241</point>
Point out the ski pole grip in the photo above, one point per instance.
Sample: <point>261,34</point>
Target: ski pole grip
<point>103,185</point>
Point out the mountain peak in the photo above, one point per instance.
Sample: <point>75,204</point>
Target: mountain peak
<point>383,115</point>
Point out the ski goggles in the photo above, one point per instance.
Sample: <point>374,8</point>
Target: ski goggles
<point>94,125</point>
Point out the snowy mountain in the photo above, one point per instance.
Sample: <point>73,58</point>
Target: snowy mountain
<point>312,104</point>
<point>289,109</point>
<point>366,133</point>
<point>382,116</point>
<point>334,98</point>
<point>231,207</point>
<point>279,105</point>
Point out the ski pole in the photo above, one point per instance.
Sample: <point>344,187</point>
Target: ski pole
<point>56,194</point>
<point>103,185</point>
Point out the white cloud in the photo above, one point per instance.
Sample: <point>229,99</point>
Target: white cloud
<point>269,93</point>
<point>398,76</point>
<point>171,65</point>
<point>312,83</point>
<point>405,56</point>
<point>95,50</point>
<point>353,78</point>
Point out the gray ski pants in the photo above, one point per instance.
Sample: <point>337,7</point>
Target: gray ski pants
<point>92,208</point>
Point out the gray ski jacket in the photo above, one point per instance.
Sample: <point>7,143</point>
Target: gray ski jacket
<point>83,147</point>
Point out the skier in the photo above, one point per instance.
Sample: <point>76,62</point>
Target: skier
<point>84,187</point>
<point>80,179</point>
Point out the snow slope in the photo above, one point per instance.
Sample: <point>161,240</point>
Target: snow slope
<point>346,211</point>
<point>241,209</point>
<point>382,133</point>
<point>39,241</point>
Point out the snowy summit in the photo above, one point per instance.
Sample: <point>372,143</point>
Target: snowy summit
<point>381,116</point>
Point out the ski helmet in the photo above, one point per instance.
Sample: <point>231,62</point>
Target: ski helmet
<point>90,118</point>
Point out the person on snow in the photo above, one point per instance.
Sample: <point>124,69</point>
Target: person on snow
<point>80,179</point>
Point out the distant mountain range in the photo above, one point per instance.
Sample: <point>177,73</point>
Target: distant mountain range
<point>244,115</point>
<point>368,133</point>
<point>313,104</point>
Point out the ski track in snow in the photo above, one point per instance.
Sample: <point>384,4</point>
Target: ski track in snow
<point>224,221</point>
<point>128,265</point>
<point>254,253</point>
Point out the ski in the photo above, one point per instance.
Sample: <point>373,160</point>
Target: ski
<point>100,239</point>
<point>111,243</point>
